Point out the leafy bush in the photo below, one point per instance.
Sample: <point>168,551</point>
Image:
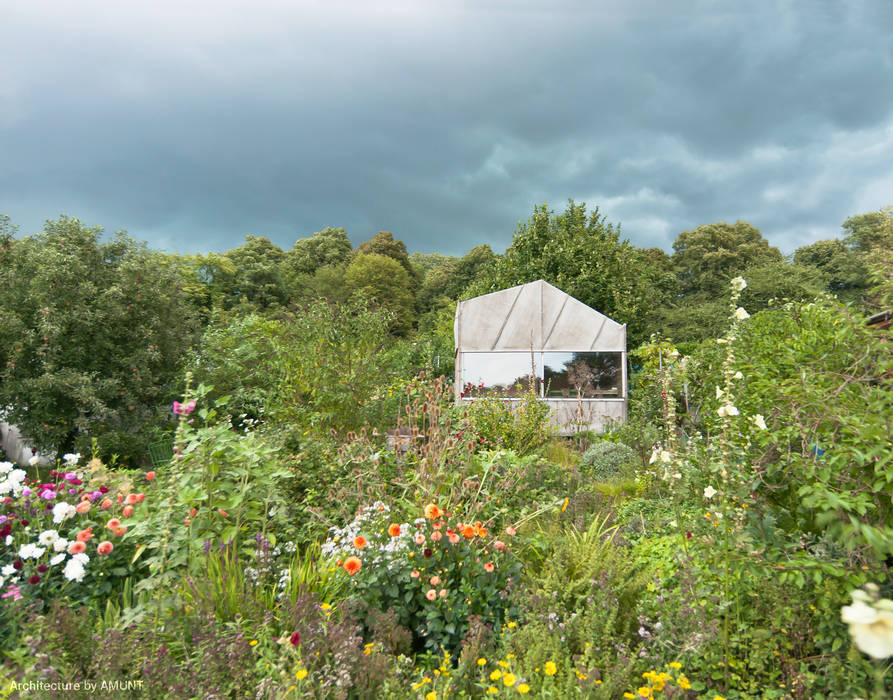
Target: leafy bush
<point>222,484</point>
<point>608,460</point>
<point>433,573</point>
<point>521,425</point>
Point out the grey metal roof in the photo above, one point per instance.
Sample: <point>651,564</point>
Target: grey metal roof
<point>534,316</point>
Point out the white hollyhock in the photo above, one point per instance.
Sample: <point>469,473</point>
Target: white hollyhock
<point>727,410</point>
<point>871,624</point>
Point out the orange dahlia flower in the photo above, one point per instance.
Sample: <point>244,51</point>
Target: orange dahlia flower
<point>394,530</point>
<point>359,542</point>
<point>352,565</point>
<point>432,512</point>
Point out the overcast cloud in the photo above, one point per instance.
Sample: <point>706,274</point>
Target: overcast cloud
<point>444,122</point>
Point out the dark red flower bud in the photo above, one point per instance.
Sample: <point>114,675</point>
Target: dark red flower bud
<point>295,639</point>
<point>18,565</point>
<point>34,580</point>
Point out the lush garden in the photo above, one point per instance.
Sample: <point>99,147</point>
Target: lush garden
<point>732,540</point>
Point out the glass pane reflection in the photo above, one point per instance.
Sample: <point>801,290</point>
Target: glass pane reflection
<point>583,374</point>
<point>502,373</point>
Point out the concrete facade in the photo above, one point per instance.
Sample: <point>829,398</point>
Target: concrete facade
<point>538,318</point>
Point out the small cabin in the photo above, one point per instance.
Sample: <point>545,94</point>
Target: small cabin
<point>535,335</point>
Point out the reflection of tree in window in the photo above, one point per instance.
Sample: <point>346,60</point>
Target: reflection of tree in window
<point>581,377</point>
<point>582,374</point>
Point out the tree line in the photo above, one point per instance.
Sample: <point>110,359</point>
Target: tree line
<point>97,333</point>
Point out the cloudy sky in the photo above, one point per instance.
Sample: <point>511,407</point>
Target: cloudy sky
<point>192,124</point>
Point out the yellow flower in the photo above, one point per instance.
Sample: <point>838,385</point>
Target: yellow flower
<point>629,695</point>
<point>495,675</point>
<point>719,697</point>
<point>431,696</point>
<point>253,643</point>
<point>325,606</point>
<point>301,674</point>
<point>482,662</point>
<point>508,679</point>
<point>645,691</point>
<point>551,669</point>
<point>683,682</point>
<point>523,689</point>
<point>564,505</point>
<point>492,690</point>
<point>675,664</point>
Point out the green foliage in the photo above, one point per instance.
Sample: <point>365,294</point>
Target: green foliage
<point>448,279</point>
<point>818,372</point>
<point>581,254</point>
<point>707,257</point>
<point>258,282</point>
<point>433,574</point>
<point>521,425</point>
<point>383,280</point>
<point>331,246</point>
<point>223,485</point>
<point>318,368</point>
<point>608,460</point>
<point>383,243</point>
<point>92,335</point>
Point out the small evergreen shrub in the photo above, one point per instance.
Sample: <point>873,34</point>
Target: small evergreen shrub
<point>607,460</point>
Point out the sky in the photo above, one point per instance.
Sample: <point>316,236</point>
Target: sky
<point>193,124</point>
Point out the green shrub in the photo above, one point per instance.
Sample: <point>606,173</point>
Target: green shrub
<point>521,425</point>
<point>608,460</point>
<point>433,573</point>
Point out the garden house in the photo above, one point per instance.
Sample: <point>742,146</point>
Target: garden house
<point>535,335</point>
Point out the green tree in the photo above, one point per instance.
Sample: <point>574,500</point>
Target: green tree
<point>384,280</point>
<point>842,267</point>
<point>383,243</point>
<point>259,281</point>
<point>867,231</point>
<point>318,366</point>
<point>92,336</point>
<point>707,257</point>
<point>331,246</point>
<point>780,280</point>
<point>581,254</point>
<point>446,281</point>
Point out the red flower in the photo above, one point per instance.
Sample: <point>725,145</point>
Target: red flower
<point>34,579</point>
<point>295,639</point>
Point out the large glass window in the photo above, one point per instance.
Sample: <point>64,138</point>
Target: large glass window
<point>569,375</point>
<point>500,373</point>
<point>583,374</point>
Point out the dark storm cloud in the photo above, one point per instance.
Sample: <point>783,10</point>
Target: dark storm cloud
<point>445,122</point>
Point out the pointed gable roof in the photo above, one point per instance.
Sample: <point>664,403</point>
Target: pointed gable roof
<point>534,316</point>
